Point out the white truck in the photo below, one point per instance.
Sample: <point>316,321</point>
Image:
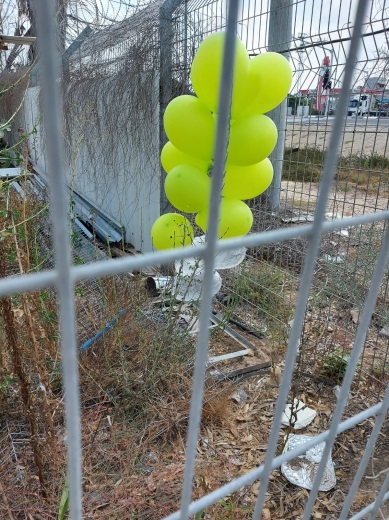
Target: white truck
<point>361,105</point>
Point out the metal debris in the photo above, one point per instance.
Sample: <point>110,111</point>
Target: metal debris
<point>301,471</point>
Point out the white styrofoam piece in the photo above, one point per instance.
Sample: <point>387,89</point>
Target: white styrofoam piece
<point>304,414</point>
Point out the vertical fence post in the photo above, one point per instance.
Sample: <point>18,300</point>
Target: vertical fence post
<point>280,36</point>
<point>59,206</point>
<point>165,78</point>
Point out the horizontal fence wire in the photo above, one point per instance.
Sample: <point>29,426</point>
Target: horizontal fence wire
<point>64,276</point>
<point>43,279</point>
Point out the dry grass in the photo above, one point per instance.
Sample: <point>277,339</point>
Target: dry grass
<point>368,172</point>
<point>135,380</point>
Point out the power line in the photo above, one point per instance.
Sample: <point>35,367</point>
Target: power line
<point>320,43</point>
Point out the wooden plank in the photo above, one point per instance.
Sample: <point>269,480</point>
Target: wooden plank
<point>10,173</point>
<point>230,355</point>
<point>247,370</point>
<point>218,319</point>
<point>243,373</point>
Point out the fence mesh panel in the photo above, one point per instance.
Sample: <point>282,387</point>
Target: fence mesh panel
<point>310,301</point>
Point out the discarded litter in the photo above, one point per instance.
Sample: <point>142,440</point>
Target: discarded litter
<point>342,232</point>
<point>189,288</point>
<point>301,471</point>
<point>304,217</point>
<point>163,282</point>
<point>333,259</point>
<point>186,286</point>
<point>224,259</point>
<point>385,331</point>
<point>301,417</point>
<point>190,267</point>
<point>336,216</point>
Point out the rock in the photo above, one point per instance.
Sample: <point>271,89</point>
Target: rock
<point>355,313</point>
<point>385,331</point>
<point>239,396</point>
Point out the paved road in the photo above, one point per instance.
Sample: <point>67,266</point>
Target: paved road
<point>350,121</point>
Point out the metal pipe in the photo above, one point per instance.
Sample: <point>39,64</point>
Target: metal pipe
<point>59,206</point>
<point>165,80</point>
<point>221,142</point>
<point>85,346</point>
<point>280,34</point>
<point>307,275</point>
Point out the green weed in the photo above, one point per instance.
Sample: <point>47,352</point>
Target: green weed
<point>263,286</point>
<point>306,164</point>
<point>334,365</point>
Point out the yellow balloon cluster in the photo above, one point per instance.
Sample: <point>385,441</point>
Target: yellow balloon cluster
<point>259,85</point>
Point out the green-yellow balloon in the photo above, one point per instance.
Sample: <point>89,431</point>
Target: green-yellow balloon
<point>247,182</point>
<point>236,218</point>
<point>270,79</point>
<point>206,72</point>
<point>190,127</point>
<point>172,156</point>
<point>171,230</point>
<point>187,188</point>
<point>252,139</point>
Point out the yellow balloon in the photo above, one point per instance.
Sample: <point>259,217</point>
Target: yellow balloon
<point>172,156</point>
<point>187,188</point>
<point>247,182</point>
<point>270,79</point>
<point>252,139</point>
<point>236,218</point>
<point>190,126</point>
<point>206,72</point>
<point>170,231</point>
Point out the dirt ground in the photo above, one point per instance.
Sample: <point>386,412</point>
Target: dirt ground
<point>130,479</point>
<point>359,140</point>
<point>353,201</point>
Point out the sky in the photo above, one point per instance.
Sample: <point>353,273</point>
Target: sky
<point>311,21</point>
<point>323,21</point>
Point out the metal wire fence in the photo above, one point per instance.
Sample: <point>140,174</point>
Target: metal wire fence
<point>312,34</point>
<point>327,273</point>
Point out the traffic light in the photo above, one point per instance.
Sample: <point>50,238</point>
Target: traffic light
<point>326,80</point>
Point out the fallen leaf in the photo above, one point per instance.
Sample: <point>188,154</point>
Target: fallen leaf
<point>355,315</point>
<point>234,431</point>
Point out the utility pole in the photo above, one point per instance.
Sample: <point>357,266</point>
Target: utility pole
<point>280,36</point>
